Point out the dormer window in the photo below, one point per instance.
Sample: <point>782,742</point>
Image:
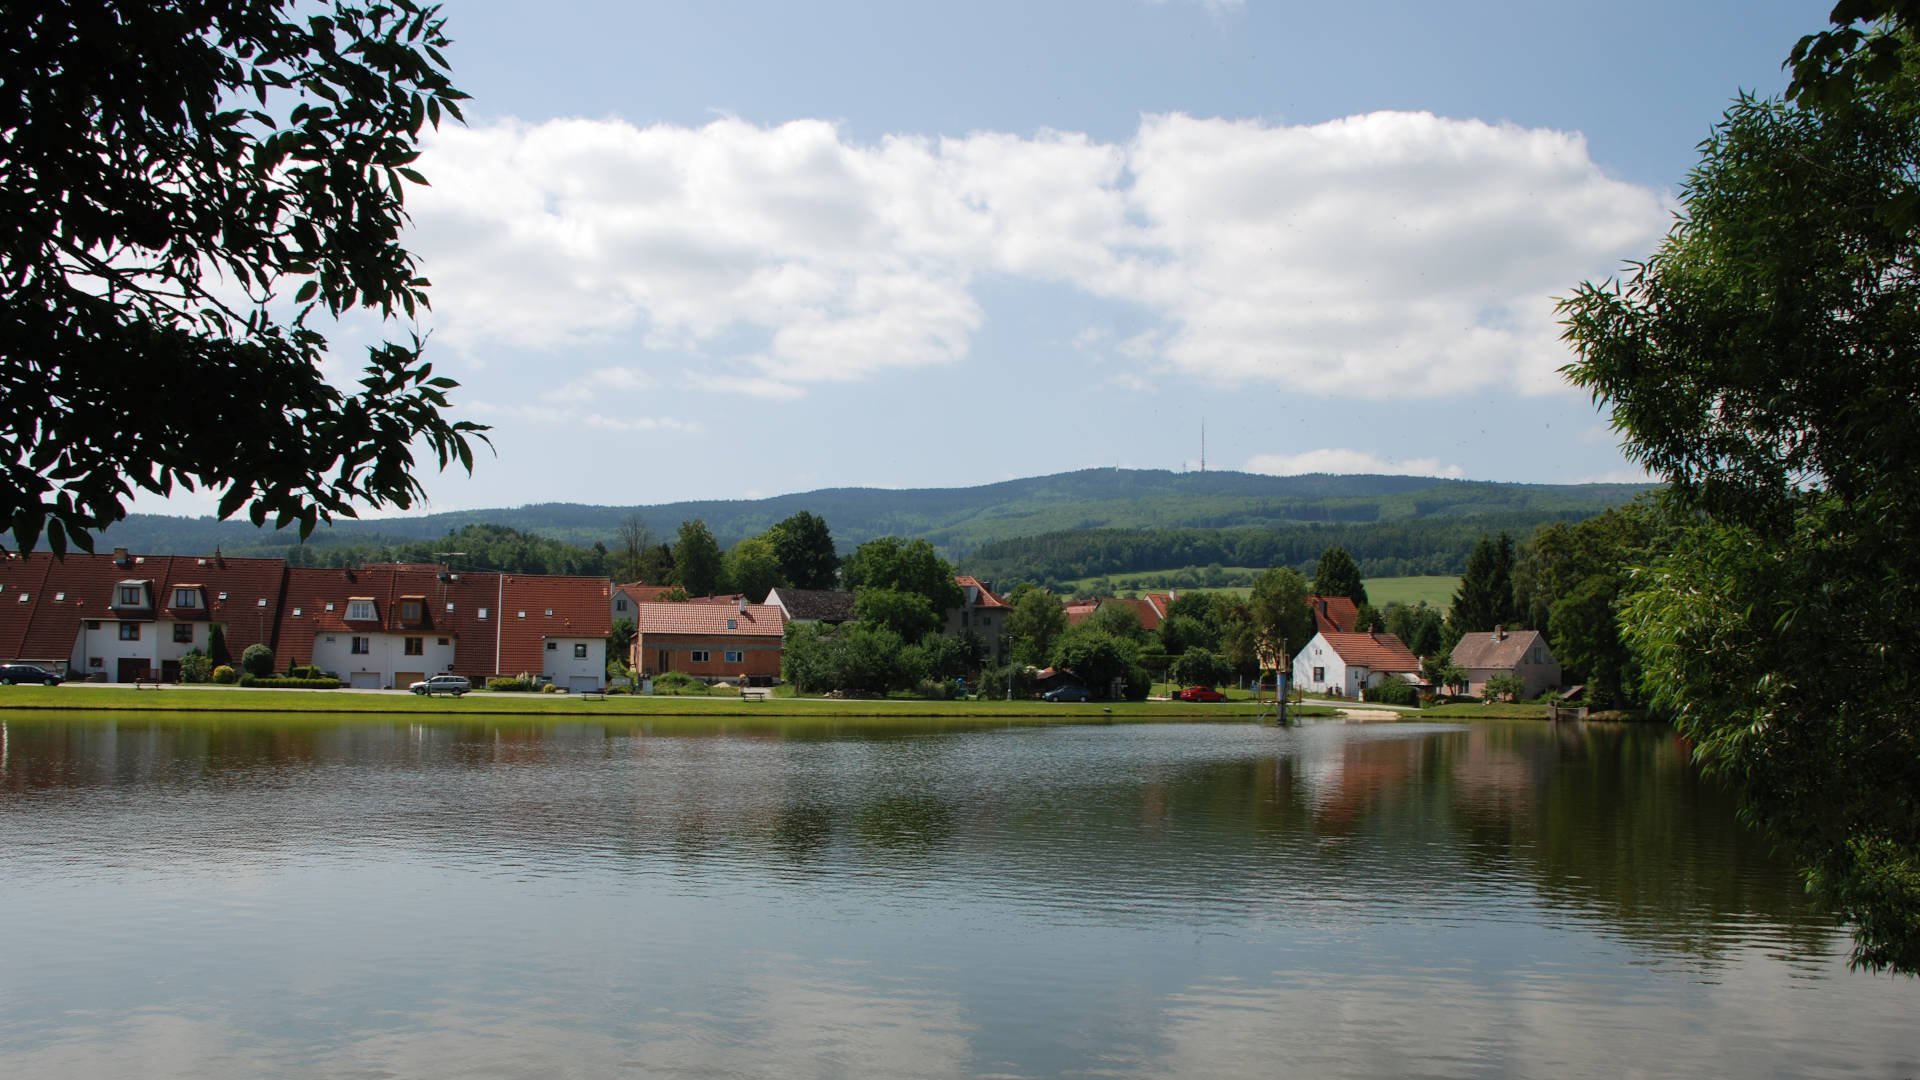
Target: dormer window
<point>359,609</point>
<point>186,596</point>
<point>131,596</point>
<point>412,610</point>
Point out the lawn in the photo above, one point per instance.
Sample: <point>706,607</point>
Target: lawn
<point>571,708</point>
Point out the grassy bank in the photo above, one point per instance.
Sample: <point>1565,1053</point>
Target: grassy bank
<point>107,700</point>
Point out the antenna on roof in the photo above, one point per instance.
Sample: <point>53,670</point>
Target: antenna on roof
<point>1203,446</point>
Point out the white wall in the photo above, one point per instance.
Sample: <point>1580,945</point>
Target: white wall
<point>1321,655</point>
<point>386,654</point>
<point>561,666</point>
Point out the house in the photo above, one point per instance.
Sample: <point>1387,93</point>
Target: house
<point>1149,610</point>
<point>390,625</point>
<point>556,626</point>
<point>981,614</point>
<point>830,607</point>
<point>124,617</point>
<point>710,641</point>
<point>1346,663</point>
<point>1524,653</point>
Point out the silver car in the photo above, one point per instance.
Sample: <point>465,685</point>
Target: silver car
<point>443,684</point>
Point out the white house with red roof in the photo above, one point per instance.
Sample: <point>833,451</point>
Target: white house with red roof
<point>556,627</point>
<point>388,625</point>
<point>1345,663</point>
<point>710,641</point>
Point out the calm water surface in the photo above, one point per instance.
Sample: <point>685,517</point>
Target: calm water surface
<point>280,898</point>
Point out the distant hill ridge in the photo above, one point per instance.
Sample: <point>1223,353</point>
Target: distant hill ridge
<point>958,521</point>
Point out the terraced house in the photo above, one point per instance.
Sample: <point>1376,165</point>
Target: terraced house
<point>124,617</point>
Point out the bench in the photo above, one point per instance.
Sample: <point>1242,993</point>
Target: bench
<point>755,693</point>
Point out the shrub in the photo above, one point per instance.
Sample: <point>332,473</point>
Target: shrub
<point>549,688</point>
<point>675,682</point>
<point>195,667</point>
<point>217,647</point>
<point>1504,686</point>
<point>1394,692</point>
<point>305,671</point>
<point>225,675</point>
<point>283,682</point>
<point>521,683</point>
<point>1017,678</point>
<point>257,661</point>
<point>936,689</point>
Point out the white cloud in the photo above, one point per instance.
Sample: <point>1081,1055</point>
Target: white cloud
<point>1341,461</point>
<point>1380,255</point>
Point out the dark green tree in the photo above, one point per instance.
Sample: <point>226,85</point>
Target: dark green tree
<point>1485,597</point>
<point>1097,658</point>
<point>697,562</point>
<point>217,646</point>
<point>753,569</point>
<point>175,176</point>
<point>906,566</point>
<point>257,660</point>
<point>620,644</point>
<point>805,549</point>
<point>1120,620</point>
<point>1338,575</point>
<point>1036,623</point>
<point>1281,620</point>
<point>1762,362</point>
<point>907,614</point>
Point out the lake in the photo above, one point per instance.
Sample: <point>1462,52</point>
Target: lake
<point>294,897</point>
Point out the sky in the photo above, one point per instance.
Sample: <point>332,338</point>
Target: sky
<point>739,249</point>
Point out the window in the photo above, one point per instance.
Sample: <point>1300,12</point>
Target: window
<point>130,596</point>
<point>734,656</point>
<point>985,621</point>
<point>362,646</point>
<point>129,631</point>
<point>186,598</point>
<point>700,656</point>
<point>620,604</point>
<point>359,610</point>
<point>1319,674</point>
<point>553,646</point>
<point>441,641</point>
<point>483,613</point>
<point>733,624</point>
<point>580,650</point>
<point>414,646</point>
<point>411,610</point>
<point>183,633</point>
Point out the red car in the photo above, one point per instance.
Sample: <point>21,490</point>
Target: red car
<point>1201,693</point>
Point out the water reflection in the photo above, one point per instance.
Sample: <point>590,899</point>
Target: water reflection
<point>293,898</point>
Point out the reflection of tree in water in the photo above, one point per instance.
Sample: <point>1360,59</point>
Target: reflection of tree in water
<point>803,830</point>
<point>904,823</point>
<point>1614,822</point>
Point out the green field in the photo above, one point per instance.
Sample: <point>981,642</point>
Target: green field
<point>1436,590</point>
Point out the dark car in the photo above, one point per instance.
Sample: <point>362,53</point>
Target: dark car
<point>12,674</point>
<point>1201,693</point>
<point>1067,693</point>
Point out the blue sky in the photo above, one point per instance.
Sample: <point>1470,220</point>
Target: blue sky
<point>724,250</point>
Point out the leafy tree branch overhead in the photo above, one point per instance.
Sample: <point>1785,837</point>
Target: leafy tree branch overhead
<point>173,176</point>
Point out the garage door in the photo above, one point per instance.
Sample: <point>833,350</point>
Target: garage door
<point>365,680</point>
<point>404,679</point>
<point>580,684</point>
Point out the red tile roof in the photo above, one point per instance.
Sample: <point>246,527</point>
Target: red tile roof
<point>1337,614</point>
<point>1380,652</point>
<point>756,620</point>
<point>62,594</point>
<point>987,598</point>
<point>536,608</point>
<point>311,589</point>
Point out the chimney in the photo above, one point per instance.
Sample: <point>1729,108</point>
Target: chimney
<point>742,601</point>
<point>1499,631</point>
<point>120,557</point>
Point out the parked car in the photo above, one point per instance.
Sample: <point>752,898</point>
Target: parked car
<point>443,684</point>
<point>1067,693</point>
<point>12,674</point>
<point>1201,693</point>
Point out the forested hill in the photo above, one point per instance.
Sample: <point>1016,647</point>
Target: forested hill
<point>958,521</point>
